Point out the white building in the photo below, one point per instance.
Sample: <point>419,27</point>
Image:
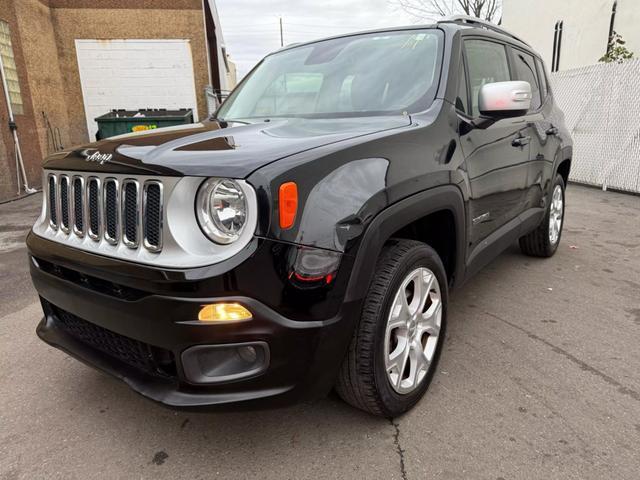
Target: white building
<point>579,29</point>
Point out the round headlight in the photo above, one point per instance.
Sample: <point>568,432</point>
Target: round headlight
<point>221,207</point>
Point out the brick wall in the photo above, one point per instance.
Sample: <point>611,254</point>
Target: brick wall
<point>44,34</point>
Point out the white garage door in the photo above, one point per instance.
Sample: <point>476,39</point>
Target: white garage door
<point>133,74</point>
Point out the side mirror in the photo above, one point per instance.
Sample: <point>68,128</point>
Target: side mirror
<point>504,99</point>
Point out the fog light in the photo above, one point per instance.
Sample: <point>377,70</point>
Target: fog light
<point>224,363</point>
<point>248,354</point>
<point>224,312</point>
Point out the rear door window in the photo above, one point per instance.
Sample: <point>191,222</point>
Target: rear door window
<point>544,88</point>
<point>487,63</point>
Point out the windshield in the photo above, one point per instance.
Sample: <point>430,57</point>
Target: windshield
<point>369,74</point>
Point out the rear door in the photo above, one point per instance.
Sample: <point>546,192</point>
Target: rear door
<point>544,142</point>
<point>496,157</point>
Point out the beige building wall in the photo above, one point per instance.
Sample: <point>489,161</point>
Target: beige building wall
<point>232,74</point>
<point>585,30</point>
<point>80,23</point>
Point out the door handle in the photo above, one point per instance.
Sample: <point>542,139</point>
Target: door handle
<point>552,131</point>
<point>520,141</point>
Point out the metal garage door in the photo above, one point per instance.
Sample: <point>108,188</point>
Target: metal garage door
<point>132,74</point>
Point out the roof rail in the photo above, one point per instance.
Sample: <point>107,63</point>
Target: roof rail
<point>474,21</point>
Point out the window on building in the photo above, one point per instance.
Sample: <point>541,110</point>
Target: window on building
<point>557,45</point>
<point>526,70</point>
<point>487,63</point>
<point>10,70</point>
<point>462,99</point>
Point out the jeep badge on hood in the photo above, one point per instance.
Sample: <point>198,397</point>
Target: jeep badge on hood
<point>92,155</point>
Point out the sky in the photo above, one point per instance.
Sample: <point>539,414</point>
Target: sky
<point>251,27</point>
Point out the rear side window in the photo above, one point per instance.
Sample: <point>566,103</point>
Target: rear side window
<point>487,62</point>
<point>526,70</point>
<point>544,88</point>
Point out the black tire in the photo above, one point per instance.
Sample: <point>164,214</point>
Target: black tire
<point>537,243</point>
<point>363,381</point>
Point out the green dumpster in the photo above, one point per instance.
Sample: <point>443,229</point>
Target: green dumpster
<point>117,122</point>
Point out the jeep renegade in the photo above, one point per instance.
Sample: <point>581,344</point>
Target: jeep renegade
<point>307,236</point>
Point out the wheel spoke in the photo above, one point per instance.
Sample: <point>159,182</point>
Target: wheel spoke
<point>429,322</point>
<point>419,364</point>
<point>399,312</point>
<point>426,290</point>
<point>418,293</point>
<point>422,363</point>
<point>397,363</point>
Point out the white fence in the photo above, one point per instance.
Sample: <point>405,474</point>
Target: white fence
<point>602,107</point>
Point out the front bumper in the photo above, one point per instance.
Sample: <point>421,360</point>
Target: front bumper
<point>305,355</point>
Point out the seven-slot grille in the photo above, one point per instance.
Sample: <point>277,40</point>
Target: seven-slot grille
<point>129,211</point>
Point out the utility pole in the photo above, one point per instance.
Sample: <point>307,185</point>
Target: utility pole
<point>281,37</point>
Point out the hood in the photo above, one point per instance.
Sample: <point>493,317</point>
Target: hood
<point>207,149</point>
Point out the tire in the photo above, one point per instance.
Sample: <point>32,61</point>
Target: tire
<point>542,242</point>
<point>364,380</point>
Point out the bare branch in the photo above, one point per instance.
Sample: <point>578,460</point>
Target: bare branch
<point>429,9</point>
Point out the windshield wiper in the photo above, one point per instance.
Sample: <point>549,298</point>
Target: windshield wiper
<point>224,122</point>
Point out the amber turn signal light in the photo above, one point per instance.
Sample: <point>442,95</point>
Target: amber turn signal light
<point>224,312</point>
<point>288,204</point>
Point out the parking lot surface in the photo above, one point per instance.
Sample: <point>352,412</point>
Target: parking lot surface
<point>540,378</point>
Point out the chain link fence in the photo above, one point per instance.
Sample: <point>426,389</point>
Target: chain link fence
<point>602,107</point>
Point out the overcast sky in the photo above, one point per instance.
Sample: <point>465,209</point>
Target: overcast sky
<point>251,29</point>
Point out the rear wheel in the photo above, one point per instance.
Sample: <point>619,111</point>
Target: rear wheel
<point>544,240</point>
<point>396,347</point>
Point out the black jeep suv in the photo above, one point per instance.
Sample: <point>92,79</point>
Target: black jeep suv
<point>307,237</point>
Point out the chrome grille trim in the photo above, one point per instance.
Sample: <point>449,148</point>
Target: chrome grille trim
<point>111,211</point>
<point>52,201</point>
<point>129,210</point>
<point>94,209</point>
<point>64,205</point>
<point>79,210</point>
<point>153,244</point>
<point>105,209</point>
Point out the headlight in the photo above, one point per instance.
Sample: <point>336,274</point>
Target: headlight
<point>221,207</point>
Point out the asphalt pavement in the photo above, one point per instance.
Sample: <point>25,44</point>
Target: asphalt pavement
<point>540,379</point>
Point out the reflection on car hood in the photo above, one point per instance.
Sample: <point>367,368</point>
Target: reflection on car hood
<point>207,149</point>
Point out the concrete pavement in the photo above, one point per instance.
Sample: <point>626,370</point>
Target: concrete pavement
<point>540,379</point>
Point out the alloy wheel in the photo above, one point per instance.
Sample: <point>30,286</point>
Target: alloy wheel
<point>412,331</point>
<point>556,211</point>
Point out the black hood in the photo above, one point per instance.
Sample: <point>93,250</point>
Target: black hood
<point>207,149</point>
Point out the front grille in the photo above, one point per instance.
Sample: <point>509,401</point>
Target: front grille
<point>64,203</point>
<point>111,210</point>
<point>53,202</point>
<point>129,211</point>
<point>153,216</point>
<point>94,208</point>
<point>146,358</point>
<point>78,206</point>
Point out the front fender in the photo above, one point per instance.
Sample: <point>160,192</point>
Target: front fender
<point>397,216</point>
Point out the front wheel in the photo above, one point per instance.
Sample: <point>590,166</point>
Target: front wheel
<point>395,349</point>
<point>544,240</point>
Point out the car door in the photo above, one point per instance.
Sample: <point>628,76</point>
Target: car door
<point>496,157</point>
